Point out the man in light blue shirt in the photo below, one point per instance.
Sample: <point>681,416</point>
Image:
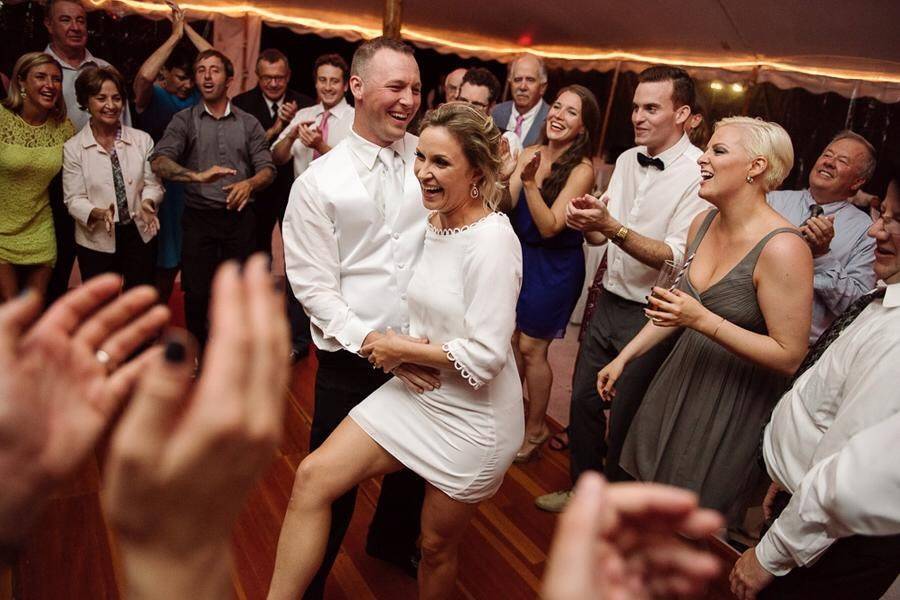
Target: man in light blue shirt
<point>834,229</point>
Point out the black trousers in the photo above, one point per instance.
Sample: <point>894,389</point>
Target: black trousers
<point>853,568</point>
<point>64,226</point>
<point>134,260</point>
<point>343,381</point>
<point>210,237</point>
<point>614,323</point>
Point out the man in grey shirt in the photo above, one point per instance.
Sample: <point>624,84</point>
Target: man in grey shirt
<point>220,153</point>
<point>834,229</point>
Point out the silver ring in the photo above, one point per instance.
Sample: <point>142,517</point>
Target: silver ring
<point>103,358</point>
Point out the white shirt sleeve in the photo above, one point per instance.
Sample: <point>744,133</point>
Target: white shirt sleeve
<point>833,498</point>
<point>312,264</point>
<point>493,276</point>
<point>689,206</point>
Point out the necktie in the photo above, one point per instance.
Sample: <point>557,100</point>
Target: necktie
<point>274,110</point>
<point>646,161</point>
<point>119,186</point>
<point>518,130</point>
<point>834,330</point>
<point>391,181</point>
<point>323,129</point>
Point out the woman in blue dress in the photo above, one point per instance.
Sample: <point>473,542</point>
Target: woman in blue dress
<point>543,181</point>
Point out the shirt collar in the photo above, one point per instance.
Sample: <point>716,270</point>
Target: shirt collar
<point>669,155</point>
<point>827,209</point>
<point>88,57</point>
<point>89,140</point>
<point>531,111</point>
<point>367,152</point>
<point>269,103</point>
<point>227,109</point>
<point>891,295</point>
<point>337,110</point>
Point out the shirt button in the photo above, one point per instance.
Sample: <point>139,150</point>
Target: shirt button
<point>401,266</point>
<point>396,236</point>
<point>403,296</point>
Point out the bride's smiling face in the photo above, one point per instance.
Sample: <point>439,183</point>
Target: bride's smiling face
<point>443,171</point>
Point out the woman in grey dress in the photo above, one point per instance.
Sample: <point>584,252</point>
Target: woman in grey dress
<point>745,307</point>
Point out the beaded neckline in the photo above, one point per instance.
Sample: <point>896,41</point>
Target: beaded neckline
<point>455,230</point>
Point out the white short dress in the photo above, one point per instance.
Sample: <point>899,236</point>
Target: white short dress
<point>462,437</point>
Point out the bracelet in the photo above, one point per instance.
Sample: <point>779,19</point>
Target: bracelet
<point>716,331</point>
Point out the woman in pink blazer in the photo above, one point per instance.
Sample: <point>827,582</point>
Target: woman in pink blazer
<point>109,188</point>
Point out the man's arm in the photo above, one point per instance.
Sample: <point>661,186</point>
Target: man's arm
<point>837,285</point>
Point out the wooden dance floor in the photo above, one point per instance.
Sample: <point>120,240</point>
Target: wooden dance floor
<point>71,553</point>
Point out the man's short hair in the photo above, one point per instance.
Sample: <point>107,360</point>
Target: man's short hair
<point>542,68</point>
<point>868,166</point>
<point>683,91</point>
<point>180,59</point>
<point>272,56</point>
<point>51,3</point>
<point>368,49</point>
<point>229,66</point>
<point>91,79</point>
<point>334,60</point>
<point>483,77</point>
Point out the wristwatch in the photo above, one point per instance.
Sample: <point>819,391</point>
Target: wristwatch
<point>620,236</point>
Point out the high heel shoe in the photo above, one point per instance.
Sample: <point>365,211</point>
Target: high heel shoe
<point>523,456</point>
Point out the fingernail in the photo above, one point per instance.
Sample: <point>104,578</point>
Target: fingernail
<point>176,352</point>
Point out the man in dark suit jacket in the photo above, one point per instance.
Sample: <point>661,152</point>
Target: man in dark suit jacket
<point>274,105</point>
<point>526,113</point>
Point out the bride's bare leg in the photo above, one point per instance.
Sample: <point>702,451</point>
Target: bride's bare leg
<point>348,457</point>
<point>444,521</point>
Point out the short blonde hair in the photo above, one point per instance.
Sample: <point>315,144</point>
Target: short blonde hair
<point>14,99</point>
<point>479,139</point>
<point>769,140</point>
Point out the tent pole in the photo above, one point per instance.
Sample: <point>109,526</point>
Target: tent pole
<point>754,78</point>
<point>609,103</point>
<point>393,18</point>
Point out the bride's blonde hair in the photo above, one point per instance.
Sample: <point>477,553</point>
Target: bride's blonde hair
<point>479,139</point>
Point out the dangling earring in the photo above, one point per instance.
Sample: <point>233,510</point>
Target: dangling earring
<point>22,92</point>
<point>749,179</point>
<point>474,192</point>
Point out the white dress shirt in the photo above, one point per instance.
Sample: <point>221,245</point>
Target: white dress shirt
<point>851,389</point>
<point>347,264</point>
<point>657,204</point>
<point>842,274</point>
<point>339,125</point>
<point>80,117</point>
<point>528,121</point>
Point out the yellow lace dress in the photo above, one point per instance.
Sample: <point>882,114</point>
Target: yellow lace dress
<point>30,157</point>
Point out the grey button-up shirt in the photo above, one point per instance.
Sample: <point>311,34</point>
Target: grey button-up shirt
<point>197,140</point>
<point>843,274</point>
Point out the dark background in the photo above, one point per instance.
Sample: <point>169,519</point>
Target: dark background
<point>810,119</point>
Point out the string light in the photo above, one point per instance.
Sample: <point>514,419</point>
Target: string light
<point>737,88</point>
<point>716,85</point>
<point>500,51</point>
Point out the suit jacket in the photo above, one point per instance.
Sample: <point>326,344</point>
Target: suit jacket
<point>502,112</point>
<point>255,103</point>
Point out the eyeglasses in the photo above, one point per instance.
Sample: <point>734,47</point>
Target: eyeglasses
<point>267,79</point>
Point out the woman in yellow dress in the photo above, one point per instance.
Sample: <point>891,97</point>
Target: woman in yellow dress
<point>33,128</point>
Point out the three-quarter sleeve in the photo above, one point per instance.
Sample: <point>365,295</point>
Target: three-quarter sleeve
<point>492,272</point>
<point>75,195</point>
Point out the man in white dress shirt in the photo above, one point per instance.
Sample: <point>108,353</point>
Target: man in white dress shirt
<point>316,129</point>
<point>526,113</point>
<point>646,212</point>
<point>834,229</point>
<point>353,232</point>
<point>831,449</point>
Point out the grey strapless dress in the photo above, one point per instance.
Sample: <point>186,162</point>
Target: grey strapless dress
<point>699,423</point>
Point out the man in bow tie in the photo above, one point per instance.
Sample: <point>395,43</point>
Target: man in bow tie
<point>645,213</point>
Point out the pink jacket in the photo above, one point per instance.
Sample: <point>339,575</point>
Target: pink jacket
<point>88,183</point>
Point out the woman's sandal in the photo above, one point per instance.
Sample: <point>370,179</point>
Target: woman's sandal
<point>537,442</point>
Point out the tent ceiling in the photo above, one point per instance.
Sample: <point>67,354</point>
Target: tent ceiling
<point>823,45</point>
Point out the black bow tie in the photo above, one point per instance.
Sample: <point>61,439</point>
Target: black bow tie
<point>646,161</point>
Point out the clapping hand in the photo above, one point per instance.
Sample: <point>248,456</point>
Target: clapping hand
<point>213,174</point>
<point>177,18</point>
<point>62,377</point>
<point>309,136</point>
<point>531,168</point>
<point>287,111</point>
<point>186,454</point>
<point>147,215</point>
<point>624,541</point>
<point>818,232</point>
<point>508,161</point>
<point>238,194</point>
<point>587,213</point>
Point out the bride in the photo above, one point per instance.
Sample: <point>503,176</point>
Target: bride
<point>462,436</point>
